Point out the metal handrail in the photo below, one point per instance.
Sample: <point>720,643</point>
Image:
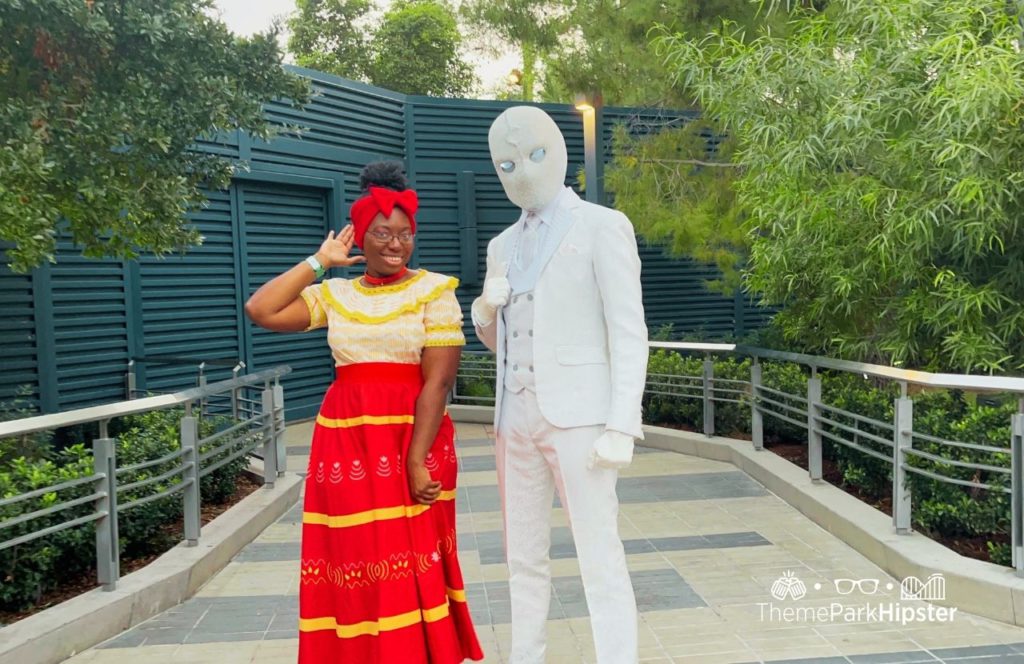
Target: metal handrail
<point>909,376</point>
<point>135,406</point>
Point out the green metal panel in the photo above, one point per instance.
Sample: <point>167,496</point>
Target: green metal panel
<point>189,304</point>
<point>68,331</point>
<point>89,328</point>
<point>283,224</point>
<point>19,366</point>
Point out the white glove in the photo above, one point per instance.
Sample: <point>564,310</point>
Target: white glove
<point>495,295</point>
<point>613,449</point>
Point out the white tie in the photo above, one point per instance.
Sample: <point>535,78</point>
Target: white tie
<point>528,242</point>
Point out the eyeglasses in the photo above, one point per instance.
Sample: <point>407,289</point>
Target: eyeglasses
<point>384,237</point>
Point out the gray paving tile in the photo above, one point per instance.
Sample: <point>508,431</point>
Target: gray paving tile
<point>892,657</point>
<point>810,660</point>
<point>262,552</point>
<point>221,637</point>
<point>471,464</point>
<point>298,450</point>
<point>294,515</point>
<point>972,651</point>
<point>474,442</point>
<point>650,489</point>
<point>491,547</point>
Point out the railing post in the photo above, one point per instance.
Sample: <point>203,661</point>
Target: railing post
<point>130,381</point>
<point>708,379</point>
<point>202,383</point>
<point>756,417</point>
<point>814,450</point>
<point>282,459</point>
<point>1017,492</point>
<point>236,391</point>
<point>903,440</point>
<point>269,438</point>
<point>191,494</point>
<point>107,548</point>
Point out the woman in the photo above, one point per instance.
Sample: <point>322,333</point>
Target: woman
<point>380,578</point>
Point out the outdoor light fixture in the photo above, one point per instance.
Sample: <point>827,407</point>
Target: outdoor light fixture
<point>588,106</point>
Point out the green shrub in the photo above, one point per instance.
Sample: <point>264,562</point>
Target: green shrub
<point>30,445</point>
<point>29,570</point>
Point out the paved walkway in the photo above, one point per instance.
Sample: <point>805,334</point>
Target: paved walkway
<point>707,547</point>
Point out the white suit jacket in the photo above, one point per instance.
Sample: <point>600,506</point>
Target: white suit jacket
<point>590,338</point>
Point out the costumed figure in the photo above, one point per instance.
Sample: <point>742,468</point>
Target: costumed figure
<point>380,576</point>
<point>561,308</point>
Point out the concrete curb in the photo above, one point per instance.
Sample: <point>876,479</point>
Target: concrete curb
<point>973,586</point>
<point>57,633</point>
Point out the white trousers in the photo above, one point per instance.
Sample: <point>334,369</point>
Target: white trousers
<point>533,458</point>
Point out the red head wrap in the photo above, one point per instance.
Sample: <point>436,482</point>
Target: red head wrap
<point>381,200</point>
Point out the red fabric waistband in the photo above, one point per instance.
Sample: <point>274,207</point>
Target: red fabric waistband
<point>379,372</point>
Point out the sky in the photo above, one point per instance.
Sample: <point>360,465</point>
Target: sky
<point>245,17</point>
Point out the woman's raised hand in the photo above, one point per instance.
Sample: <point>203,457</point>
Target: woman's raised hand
<point>334,251</point>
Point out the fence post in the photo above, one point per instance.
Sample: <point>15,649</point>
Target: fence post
<point>756,417</point>
<point>130,381</point>
<point>1017,492</point>
<point>813,431</point>
<point>707,381</point>
<point>903,439</point>
<point>191,494</point>
<point>236,391</point>
<point>107,548</point>
<point>282,452</point>
<point>269,438</point>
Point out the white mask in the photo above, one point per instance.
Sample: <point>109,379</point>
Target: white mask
<point>528,151</point>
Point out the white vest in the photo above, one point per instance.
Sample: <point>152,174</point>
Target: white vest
<point>519,343</point>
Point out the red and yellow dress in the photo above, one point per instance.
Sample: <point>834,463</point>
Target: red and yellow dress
<point>380,579</point>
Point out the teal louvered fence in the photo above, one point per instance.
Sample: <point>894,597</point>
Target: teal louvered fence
<point>71,329</point>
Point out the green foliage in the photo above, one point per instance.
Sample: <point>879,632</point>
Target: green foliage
<point>100,103</point>
<point>29,570</point>
<point>331,36</point>
<point>572,46</point>
<point>414,48</point>
<point>416,51</point>
<point>30,446</point>
<point>678,195</point>
<point>881,175</point>
<point>476,378</point>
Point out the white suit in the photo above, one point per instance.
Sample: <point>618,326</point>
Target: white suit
<point>589,362</point>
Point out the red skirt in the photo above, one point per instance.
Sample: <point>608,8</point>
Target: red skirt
<point>380,578</point>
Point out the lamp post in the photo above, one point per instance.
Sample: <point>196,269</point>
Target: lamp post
<point>589,107</point>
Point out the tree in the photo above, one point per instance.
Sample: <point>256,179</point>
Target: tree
<point>100,105</point>
<point>680,195</point>
<point>535,26</point>
<point>331,36</point>
<point>416,51</point>
<point>881,158</point>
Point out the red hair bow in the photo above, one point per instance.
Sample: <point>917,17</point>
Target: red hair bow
<point>381,200</point>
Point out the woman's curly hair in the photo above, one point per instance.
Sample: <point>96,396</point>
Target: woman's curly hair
<point>389,174</point>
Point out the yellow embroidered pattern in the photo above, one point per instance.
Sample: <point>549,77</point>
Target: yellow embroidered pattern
<point>451,283</point>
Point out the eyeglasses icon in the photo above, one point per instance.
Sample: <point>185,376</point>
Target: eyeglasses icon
<point>866,586</point>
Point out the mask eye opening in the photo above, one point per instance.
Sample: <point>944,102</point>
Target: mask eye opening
<point>507,166</point>
<point>538,155</point>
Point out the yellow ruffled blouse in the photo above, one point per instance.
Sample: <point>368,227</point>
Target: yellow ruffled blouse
<point>387,323</point>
